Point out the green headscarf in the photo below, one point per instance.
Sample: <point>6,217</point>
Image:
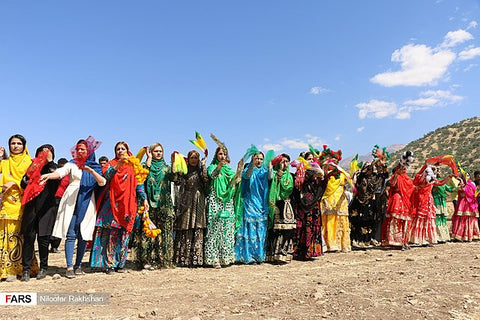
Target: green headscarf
<point>155,181</point>
<point>222,181</point>
<point>279,190</point>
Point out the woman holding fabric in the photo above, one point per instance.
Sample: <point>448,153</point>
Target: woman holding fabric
<point>465,218</point>
<point>77,209</point>
<point>191,218</point>
<point>39,211</point>
<point>12,170</point>
<point>157,251</point>
<point>117,211</point>
<point>309,189</point>
<point>221,216</point>
<point>282,221</point>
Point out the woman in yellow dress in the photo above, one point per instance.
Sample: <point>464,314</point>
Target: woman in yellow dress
<point>12,170</point>
<point>334,205</point>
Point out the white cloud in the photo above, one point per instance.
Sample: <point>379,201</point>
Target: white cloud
<point>360,129</point>
<point>420,65</point>
<point>272,146</point>
<point>403,114</point>
<point>376,109</point>
<point>469,53</point>
<point>470,67</point>
<point>314,140</point>
<point>432,98</point>
<point>428,99</point>
<point>453,38</point>
<point>337,138</point>
<point>473,24</point>
<point>318,90</point>
<point>295,143</point>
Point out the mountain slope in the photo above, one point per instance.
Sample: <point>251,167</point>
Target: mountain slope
<point>461,139</point>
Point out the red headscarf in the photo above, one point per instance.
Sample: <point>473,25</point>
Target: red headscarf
<point>122,193</point>
<point>34,188</point>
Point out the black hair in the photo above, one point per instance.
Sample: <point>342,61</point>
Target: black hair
<point>62,161</point>
<point>48,146</point>
<point>20,137</point>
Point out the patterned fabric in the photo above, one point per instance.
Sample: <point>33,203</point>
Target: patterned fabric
<point>364,211</point>
<point>157,251</point>
<point>423,228</point>
<point>220,238</point>
<point>191,219</point>
<point>465,218</point>
<point>280,238</point>
<point>396,224</point>
<point>111,238</point>
<point>188,248</point>
<point>308,235</point>
<point>439,194</point>
<point>110,248</point>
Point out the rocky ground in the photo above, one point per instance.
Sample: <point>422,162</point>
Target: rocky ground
<point>440,282</point>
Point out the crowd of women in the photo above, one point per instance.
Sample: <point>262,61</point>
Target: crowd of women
<point>192,214</point>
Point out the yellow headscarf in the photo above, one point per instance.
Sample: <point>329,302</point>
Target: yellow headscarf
<point>13,169</point>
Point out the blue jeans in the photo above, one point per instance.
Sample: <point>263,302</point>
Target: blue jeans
<point>74,233</point>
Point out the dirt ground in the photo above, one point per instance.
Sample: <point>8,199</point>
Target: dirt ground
<point>440,282</point>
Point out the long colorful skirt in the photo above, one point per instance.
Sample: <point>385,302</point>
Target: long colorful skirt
<point>395,232</point>
<point>250,241</point>
<point>336,232</point>
<point>465,228</point>
<point>280,246</point>
<point>110,248</point>
<point>188,247</point>
<point>308,234</point>
<point>441,223</point>
<point>220,239</point>
<point>423,231</point>
<point>11,242</point>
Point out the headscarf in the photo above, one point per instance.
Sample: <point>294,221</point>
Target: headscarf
<point>34,172</point>
<point>122,194</point>
<point>13,169</point>
<point>279,190</point>
<point>87,186</point>
<point>222,181</point>
<point>154,182</point>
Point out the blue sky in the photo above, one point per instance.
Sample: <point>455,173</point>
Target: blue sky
<point>278,74</point>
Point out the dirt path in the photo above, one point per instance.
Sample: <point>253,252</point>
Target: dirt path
<point>442,282</point>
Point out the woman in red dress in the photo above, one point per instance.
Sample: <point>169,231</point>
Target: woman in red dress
<point>423,229</point>
<point>398,214</point>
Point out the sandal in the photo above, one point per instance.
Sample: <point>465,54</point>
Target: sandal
<point>148,267</point>
<point>70,274</point>
<point>78,271</point>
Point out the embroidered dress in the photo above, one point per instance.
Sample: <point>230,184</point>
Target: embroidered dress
<point>439,194</point>
<point>220,239</point>
<point>465,217</point>
<point>114,226</point>
<point>335,224</point>
<point>282,219</point>
<point>423,228</point>
<point>157,251</point>
<point>250,237</point>
<point>191,218</point>
<point>365,211</point>
<point>308,233</point>
<point>398,214</point>
<point>11,241</point>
